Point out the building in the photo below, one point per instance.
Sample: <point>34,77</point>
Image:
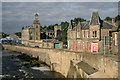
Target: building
<point>94,35</point>
<point>58,31</point>
<point>34,35</point>
<point>116,38</point>
<point>12,36</point>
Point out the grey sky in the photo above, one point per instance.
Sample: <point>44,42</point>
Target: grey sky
<point>60,0</point>
<point>0,17</point>
<point>19,14</point>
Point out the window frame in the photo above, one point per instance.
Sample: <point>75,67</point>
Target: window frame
<point>94,34</point>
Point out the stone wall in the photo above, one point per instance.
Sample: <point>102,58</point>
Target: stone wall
<point>59,59</point>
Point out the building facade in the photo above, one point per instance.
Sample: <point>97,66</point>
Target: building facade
<point>95,35</point>
<point>33,35</point>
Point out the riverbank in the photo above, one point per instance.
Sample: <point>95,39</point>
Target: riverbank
<point>29,61</point>
<point>12,68</point>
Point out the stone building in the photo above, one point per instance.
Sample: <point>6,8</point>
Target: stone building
<point>12,36</point>
<point>58,31</point>
<point>94,35</point>
<point>34,35</point>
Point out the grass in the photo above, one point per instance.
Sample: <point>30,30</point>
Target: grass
<point>29,61</point>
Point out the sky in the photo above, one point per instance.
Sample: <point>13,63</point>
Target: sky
<point>15,15</point>
<point>0,17</point>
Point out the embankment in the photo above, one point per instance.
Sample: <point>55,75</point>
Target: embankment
<point>59,60</point>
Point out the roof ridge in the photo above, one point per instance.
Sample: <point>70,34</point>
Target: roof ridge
<point>110,23</point>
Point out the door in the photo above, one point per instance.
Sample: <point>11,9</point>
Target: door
<point>87,47</point>
<point>57,45</point>
<point>94,47</point>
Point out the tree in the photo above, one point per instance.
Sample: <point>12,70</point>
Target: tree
<point>50,27</point>
<point>18,34</point>
<point>108,18</point>
<point>76,20</point>
<point>117,18</point>
<point>45,27</point>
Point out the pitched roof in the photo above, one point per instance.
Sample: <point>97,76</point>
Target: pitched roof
<point>12,36</point>
<point>86,25</point>
<point>107,25</point>
<point>95,20</point>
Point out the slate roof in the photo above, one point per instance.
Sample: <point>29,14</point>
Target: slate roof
<point>86,25</point>
<point>107,25</point>
<point>95,20</point>
<point>29,26</point>
<point>36,22</point>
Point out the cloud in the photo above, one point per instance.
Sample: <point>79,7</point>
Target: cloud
<point>19,14</point>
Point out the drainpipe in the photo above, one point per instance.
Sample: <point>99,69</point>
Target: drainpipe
<point>104,45</point>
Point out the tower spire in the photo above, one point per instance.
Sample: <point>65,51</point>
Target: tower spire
<point>36,18</point>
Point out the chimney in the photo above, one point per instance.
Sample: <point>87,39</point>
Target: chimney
<point>72,24</point>
<point>113,20</point>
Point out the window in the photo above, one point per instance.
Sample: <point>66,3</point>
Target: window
<point>84,34</point>
<point>115,39</point>
<point>37,26</point>
<point>50,33</point>
<point>53,33</point>
<point>30,37</point>
<point>87,34</point>
<point>110,33</point>
<point>31,33</point>
<point>36,38</point>
<point>94,34</point>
